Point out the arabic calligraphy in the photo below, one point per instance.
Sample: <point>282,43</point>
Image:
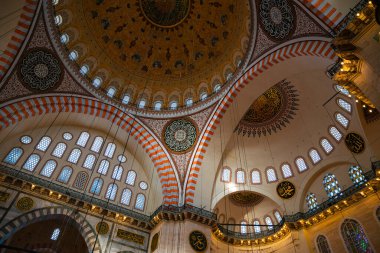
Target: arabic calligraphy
<point>128,236</point>
<point>286,190</point>
<point>198,241</point>
<point>355,143</point>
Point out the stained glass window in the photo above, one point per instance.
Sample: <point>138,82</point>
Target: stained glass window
<point>117,173</point>
<point>240,177</point>
<point>59,150</point>
<point>110,150</point>
<point>157,105</point>
<point>226,175</point>
<point>131,177</point>
<point>286,170</point>
<point>271,175</point>
<point>140,202</point>
<point>44,143</point>
<point>256,226</point>
<point>65,175</point>
<point>49,168</point>
<point>96,186</point>
<point>301,164</point>
<point>111,191</point>
<point>55,234</point>
<point>255,177</point>
<point>97,144</point>
<point>342,120</point>
<point>126,197</point>
<point>13,156</point>
<point>26,139</point>
<point>103,167</point>
<point>326,145</point>
<point>269,222</point>
<point>354,237</point>
<point>83,138</point>
<point>314,156</point>
<point>89,162</point>
<point>356,175</point>
<point>32,162</point>
<point>331,185</point>
<point>74,156</point>
<point>323,245</point>
<point>335,133</point>
<point>80,180</point>
<point>344,105</point>
<point>278,216</point>
<point>243,227</point>
<point>311,201</point>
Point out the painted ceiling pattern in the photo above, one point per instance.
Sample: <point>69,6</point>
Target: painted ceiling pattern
<point>245,198</point>
<point>270,112</point>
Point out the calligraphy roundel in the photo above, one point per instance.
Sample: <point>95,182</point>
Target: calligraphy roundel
<point>180,135</point>
<point>355,143</point>
<point>286,189</point>
<point>198,241</point>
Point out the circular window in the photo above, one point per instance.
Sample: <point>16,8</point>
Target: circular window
<point>143,185</point>
<point>67,136</point>
<point>122,158</point>
<point>26,139</point>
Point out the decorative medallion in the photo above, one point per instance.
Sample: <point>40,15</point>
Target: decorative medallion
<point>180,135</point>
<point>198,241</point>
<point>246,198</point>
<point>168,13</point>
<point>270,112</point>
<point>277,18</point>
<point>355,143</point>
<point>102,228</point>
<point>154,243</point>
<point>25,204</point>
<point>40,70</point>
<point>286,189</point>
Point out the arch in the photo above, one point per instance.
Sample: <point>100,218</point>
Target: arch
<point>42,214</point>
<point>325,11</point>
<point>17,111</point>
<point>317,48</point>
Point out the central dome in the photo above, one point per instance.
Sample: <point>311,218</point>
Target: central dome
<point>158,49</point>
<point>165,13</point>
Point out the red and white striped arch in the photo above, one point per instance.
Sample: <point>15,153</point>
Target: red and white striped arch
<point>18,111</point>
<point>325,11</point>
<point>19,35</point>
<point>298,49</point>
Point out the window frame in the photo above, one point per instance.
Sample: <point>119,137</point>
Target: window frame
<point>275,173</point>
<point>260,177</point>
<point>337,128</point>
<point>336,120</point>
<point>282,172</point>
<point>221,174</point>
<point>320,143</point>
<point>49,160</point>
<point>134,206</point>
<point>236,176</point>
<point>310,157</point>
<point>39,160</point>
<point>135,179</point>
<point>344,109</point>
<point>68,180</point>
<point>18,159</point>
<point>295,163</point>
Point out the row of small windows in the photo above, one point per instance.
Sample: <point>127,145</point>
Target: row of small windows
<point>244,229</point>
<point>332,187</point>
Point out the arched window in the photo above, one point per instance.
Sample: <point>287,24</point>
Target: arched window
<point>342,90</point>
<point>26,139</point>
<point>126,99</point>
<point>64,38</point>
<point>89,162</point>
<point>255,177</point>
<point>221,218</point>
<point>110,150</point>
<point>131,177</point>
<point>256,226</point>
<point>343,121</point>
<point>59,150</point>
<point>189,102</point>
<point>74,156</point>
<point>44,143</point>
<point>97,82</point>
<point>97,144</point>
<point>49,168</point>
<point>203,96</point>
<point>314,156</point>
<point>322,244</point>
<point>84,70</point>
<point>13,156</point>
<point>240,177</point>
<point>331,185</point>
<point>111,192</point>
<point>326,145</point>
<point>140,202</point>
<point>243,227</point>
<point>335,133</point>
<point>344,105</point>
<point>173,105</point>
<point>311,201</point>
<point>271,175</point>
<point>356,175</point>
<point>117,172</point>
<point>141,104</point>
<point>269,222</point>
<point>83,138</point>
<point>96,186</point>
<point>32,162</point>
<point>355,238</point>
<point>157,105</point>
<point>111,92</point>
<point>278,216</point>
<point>286,170</point>
<point>126,197</point>
<point>226,175</point>
<point>73,55</point>
<point>65,175</point>
<point>54,236</point>
<point>301,164</point>
<point>81,180</point>
<point>58,20</point>
<point>217,87</point>
<point>103,167</point>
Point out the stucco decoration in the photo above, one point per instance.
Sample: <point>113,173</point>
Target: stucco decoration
<point>180,135</point>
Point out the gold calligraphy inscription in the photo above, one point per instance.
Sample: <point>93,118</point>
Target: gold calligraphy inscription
<point>4,196</point>
<point>198,241</point>
<point>129,236</point>
<point>355,143</point>
<point>286,189</point>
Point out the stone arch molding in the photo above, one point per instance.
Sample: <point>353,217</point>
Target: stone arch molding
<point>15,112</point>
<point>41,214</point>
